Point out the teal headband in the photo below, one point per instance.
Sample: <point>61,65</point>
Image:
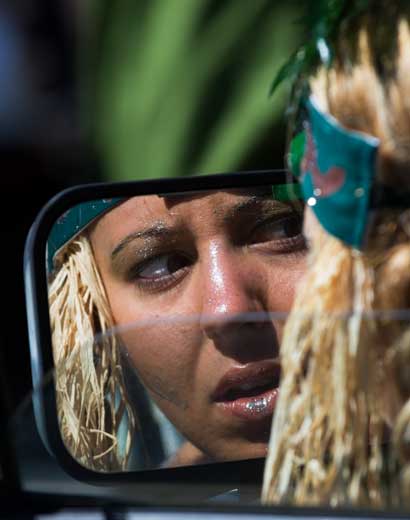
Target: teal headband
<point>336,170</point>
<point>75,220</point>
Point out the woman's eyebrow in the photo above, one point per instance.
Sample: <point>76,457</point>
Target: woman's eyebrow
<point>253,203</point>
<point>157,230</point>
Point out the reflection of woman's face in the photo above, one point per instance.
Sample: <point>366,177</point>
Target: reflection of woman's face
<point>223,259</point>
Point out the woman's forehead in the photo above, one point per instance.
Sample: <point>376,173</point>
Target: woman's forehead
<point>206,207</point>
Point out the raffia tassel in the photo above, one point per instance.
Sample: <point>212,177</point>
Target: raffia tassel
<point>319,452</point>
<point>345,361</point>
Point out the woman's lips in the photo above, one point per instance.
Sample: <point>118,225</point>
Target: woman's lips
<point>249,392</point>
<point>253,408</point>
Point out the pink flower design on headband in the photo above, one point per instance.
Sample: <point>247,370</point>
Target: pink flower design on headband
<point>328,182</point>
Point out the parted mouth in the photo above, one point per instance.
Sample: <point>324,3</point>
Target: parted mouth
<point>247,381</point>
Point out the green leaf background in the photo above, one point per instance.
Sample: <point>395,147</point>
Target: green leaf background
<point>181,87</point>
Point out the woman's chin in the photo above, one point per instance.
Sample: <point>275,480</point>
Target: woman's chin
<point>257,451</point>
<point>241,451</point>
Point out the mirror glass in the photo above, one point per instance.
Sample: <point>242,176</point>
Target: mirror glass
<point>167,313</point>
<point>40,472</point>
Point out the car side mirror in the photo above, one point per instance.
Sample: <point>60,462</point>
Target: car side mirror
<point>158,308</point>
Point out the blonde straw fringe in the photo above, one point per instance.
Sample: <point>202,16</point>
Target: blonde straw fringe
<point>346,380</point>
<point>88,377</point>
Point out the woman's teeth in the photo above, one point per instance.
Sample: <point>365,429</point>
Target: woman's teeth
<point>247,386</point>
<point>247,390</point>
<point>250,388</point>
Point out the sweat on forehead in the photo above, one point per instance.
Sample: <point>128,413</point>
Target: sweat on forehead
<point>145,209</point>
<point>173,199</point>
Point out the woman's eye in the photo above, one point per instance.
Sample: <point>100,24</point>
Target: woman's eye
<point>162,266</point>
<point>278,229</point>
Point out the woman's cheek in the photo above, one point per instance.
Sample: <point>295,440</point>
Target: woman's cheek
<point>163,356</point>
<point>282,280</point>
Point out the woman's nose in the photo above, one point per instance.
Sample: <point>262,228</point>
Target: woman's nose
<point>228,298</point>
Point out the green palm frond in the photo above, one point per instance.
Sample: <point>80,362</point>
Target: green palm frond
<point>181,86</point>
<point>331,21</point>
